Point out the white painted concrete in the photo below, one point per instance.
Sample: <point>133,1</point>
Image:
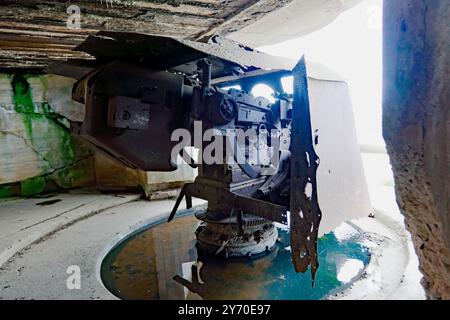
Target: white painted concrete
<point>39,271</point>
<point>297,18</point>
<point>23,222</point>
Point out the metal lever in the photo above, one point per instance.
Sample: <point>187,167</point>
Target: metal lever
<point>179,199</point>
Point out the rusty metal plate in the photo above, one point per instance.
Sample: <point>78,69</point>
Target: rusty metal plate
<point>305,213</point>
<point>229,58</point>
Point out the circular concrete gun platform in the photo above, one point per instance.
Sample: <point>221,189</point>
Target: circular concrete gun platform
<point>53,248</point>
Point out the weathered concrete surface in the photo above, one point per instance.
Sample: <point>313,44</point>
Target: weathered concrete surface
<point>36,147</point>
<point>26,221</point>
<point>39,270</point>
<point>400,254</point>
<point>416,127</point>
<point>112,174</point>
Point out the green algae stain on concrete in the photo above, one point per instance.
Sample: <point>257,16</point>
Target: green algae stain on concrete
<point>48,134</point>
<point>23,102</point>
<point>5,191</point>
<point>53,142</point>
<point>80,174</point>
<point>32,186</point>
<point>43,128</point>
<point>37,126</point>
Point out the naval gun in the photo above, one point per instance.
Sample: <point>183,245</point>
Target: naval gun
<point>257,164</point>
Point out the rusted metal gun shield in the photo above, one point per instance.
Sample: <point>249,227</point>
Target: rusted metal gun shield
<point>148,149</point>
<point>227,57</point>
<point>305,214</point>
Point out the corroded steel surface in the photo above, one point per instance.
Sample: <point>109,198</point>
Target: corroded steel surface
<point>305,211</point>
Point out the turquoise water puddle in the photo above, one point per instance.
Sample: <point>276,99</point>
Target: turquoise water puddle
<point>143,267</point>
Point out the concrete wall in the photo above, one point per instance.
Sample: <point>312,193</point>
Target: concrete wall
<point>416,127</point>
<point>37,152</point>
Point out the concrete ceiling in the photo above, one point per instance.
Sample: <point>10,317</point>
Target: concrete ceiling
<point>296,18</point>
<point>34,34</point>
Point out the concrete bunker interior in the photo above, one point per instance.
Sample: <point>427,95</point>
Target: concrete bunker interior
<point>91,96</point>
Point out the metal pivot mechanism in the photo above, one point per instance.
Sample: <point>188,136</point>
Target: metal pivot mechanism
<point>146,87</point>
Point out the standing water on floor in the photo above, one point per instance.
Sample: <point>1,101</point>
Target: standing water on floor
<point>162,262</point>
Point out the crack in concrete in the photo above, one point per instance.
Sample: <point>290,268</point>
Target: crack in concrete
<point>43,157</point>
<point>29,146</point>
<point>56,216</point>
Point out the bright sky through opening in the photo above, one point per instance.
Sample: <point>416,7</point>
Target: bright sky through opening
<point>352,46</point>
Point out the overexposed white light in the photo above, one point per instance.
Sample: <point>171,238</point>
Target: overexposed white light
<point>236,87</point>
<point>352,46</point>
<point>263,90</point>
<point>349,269</point>
<point>288,84</point>
<point>344,232</point>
